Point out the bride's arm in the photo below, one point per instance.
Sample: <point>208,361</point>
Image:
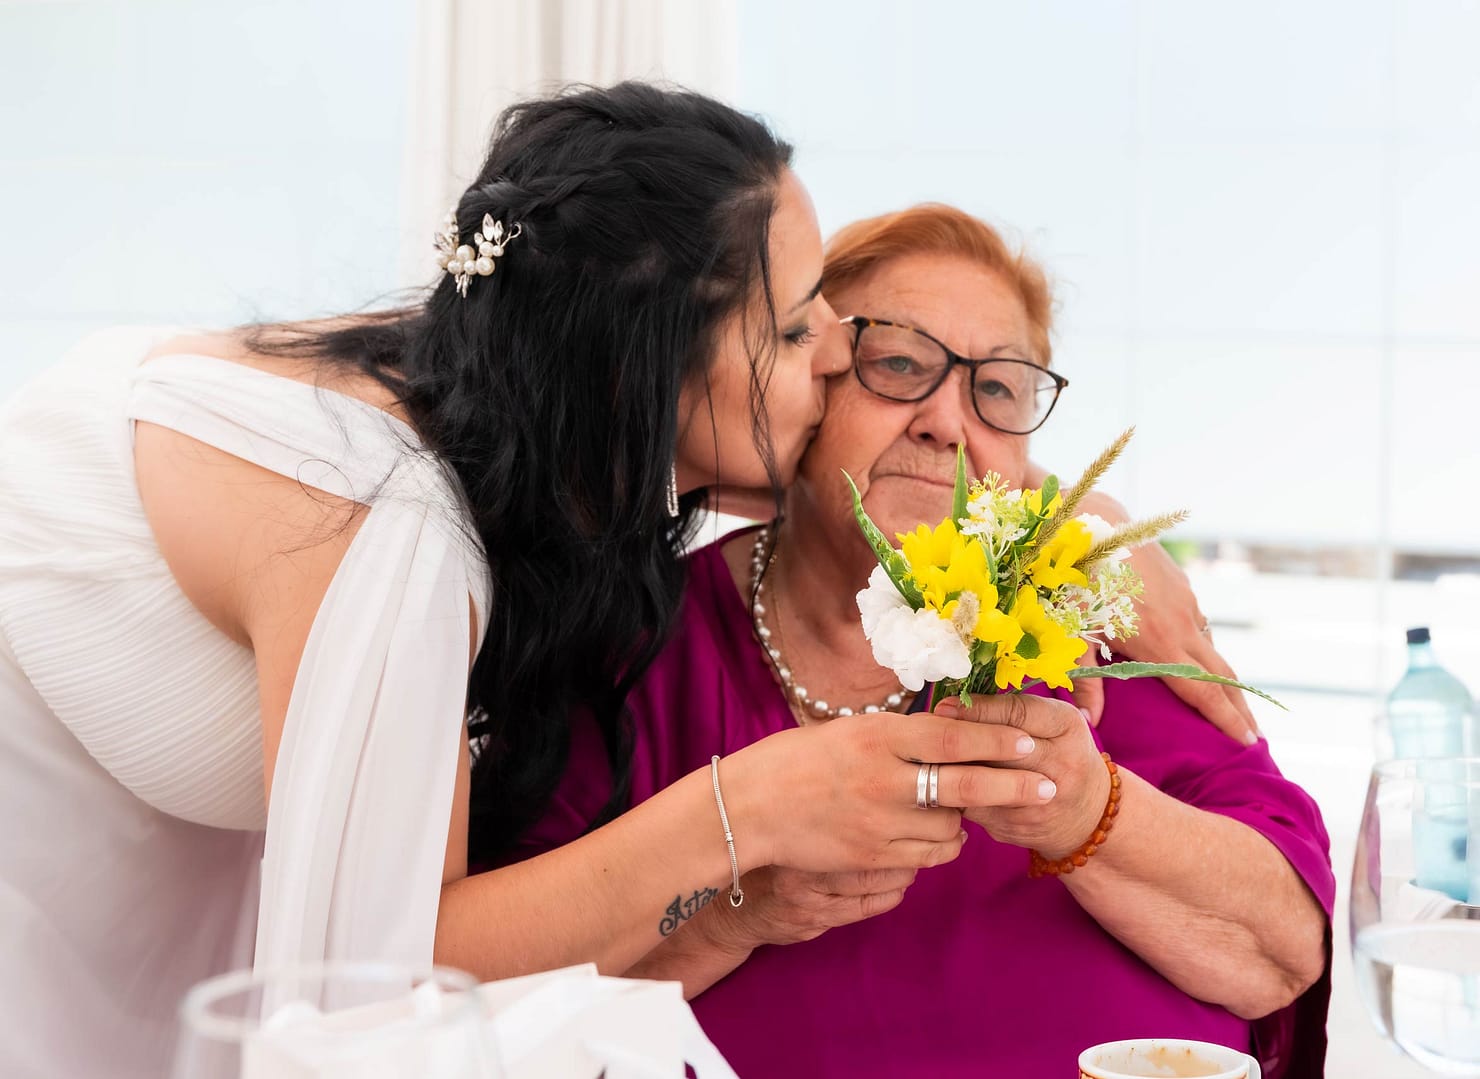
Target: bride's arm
<point>608,897</point>
<point>615,895</point>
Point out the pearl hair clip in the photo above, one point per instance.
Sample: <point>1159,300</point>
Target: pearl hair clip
<point>462,261</point>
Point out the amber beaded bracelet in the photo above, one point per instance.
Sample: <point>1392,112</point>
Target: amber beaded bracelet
<point>1047,867</point>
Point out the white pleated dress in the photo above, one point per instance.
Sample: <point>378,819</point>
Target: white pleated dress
<point>136,854</point>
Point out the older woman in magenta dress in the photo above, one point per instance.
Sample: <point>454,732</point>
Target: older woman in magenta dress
<point>1205,913</point>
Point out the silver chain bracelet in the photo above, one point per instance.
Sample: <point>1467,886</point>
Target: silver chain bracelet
<point>737,896</point>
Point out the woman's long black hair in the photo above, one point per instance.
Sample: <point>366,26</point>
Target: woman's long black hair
<point>552,392</point>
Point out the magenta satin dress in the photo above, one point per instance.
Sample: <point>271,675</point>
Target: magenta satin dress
<point>980,971</point>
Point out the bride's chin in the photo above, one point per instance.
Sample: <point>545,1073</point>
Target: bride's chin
<point>790,466</point>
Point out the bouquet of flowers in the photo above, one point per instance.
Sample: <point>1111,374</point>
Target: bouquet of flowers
<point>1009,590</point>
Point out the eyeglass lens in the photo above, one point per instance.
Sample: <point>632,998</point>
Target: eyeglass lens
<point>903,365</point>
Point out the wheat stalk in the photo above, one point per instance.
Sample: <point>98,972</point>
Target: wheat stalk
<point>1132,535</point>
<point>1086,482</point>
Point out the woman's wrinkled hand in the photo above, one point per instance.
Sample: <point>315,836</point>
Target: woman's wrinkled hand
<point>1171,628</point>
<point>841,796</point>
<point>1064,751</point>
<point>784,906</point>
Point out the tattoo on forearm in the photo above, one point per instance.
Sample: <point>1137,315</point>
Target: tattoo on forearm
<point>681,909</point>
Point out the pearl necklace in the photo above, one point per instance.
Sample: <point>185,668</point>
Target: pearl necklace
<point>797,693</point>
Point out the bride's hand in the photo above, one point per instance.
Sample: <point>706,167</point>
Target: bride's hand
<point>841,796</point>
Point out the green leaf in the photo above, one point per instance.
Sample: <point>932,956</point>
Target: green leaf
<point>1167,670</point>
<point>892,561</point>
<point>1050,489</point>
<point>958,501</point>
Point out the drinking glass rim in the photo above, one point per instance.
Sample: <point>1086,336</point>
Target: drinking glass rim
<point>195,1011</point>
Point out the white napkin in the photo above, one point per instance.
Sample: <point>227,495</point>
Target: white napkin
<point>573,1023</point>
<point>563,1024</point>
<point>385,1040</point>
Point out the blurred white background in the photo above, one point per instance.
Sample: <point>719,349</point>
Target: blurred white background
<point>1261,219</point>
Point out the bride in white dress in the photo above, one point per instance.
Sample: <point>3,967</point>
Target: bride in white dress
<point>243,578</point>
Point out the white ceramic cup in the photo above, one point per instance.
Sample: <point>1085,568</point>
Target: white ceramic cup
<point>1137,1058</point>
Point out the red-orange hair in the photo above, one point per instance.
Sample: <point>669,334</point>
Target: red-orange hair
<point>934,228</point>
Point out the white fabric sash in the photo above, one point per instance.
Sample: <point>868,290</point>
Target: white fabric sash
<point>362,788</point>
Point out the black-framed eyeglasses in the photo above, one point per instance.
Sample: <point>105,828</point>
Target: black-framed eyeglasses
<point>901,363</point>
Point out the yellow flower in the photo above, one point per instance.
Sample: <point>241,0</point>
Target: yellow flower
<point>1011,669</point>
<point>1044,652</point>
<point>945,564</point>
<point>1033,499</point>
<point>994,626</point>
<point>1054,565</point>
<point>924,547</point>
<point>941,561</point>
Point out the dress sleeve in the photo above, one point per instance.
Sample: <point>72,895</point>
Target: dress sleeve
<point>362,791</point>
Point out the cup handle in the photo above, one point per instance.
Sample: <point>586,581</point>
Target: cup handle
<point>1255,1072</point>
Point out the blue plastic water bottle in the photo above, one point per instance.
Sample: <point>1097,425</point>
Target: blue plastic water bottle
<point>1430,715</point>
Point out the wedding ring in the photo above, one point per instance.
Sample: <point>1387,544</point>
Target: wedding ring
<point>922,786</point>
<point>933,800</point>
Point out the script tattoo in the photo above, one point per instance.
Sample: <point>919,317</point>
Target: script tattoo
<point>681,909</point>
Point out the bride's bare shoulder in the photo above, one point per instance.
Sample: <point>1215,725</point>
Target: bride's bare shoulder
<point>226,525</point>
<point>237,346</point>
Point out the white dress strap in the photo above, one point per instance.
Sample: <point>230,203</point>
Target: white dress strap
<point>362,788</point>
<point>327,440</point>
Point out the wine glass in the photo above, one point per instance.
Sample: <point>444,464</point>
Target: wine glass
<point>335,1020</point>
<point>1415,932</point>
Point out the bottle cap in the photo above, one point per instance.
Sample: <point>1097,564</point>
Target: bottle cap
<point>1418,635</point>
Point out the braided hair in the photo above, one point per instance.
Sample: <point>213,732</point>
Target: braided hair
<point>552,393</point>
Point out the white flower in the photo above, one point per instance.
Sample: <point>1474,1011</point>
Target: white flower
<point>1100,530</point>
<point>878,599</point>
<point>919,647</point>
<point>996,515</point>
<point>1102,612</point>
